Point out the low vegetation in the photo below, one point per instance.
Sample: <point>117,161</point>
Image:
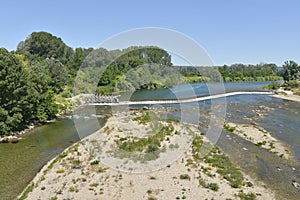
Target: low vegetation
<point>26,192</point>
<point>229,128</point>
<point>243,196</point>
<point>185,177</point>
<point>211,186</point>
<point>151,146</point>
<point>223,164</point>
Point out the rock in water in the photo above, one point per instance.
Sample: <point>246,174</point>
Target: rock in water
<point>296,185</point>
<point>13,139</point>
<point>4,139</point>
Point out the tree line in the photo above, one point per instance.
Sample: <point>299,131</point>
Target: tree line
<point>43,69</point>
<point>234,73</point>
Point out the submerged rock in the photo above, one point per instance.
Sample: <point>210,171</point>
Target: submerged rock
<point>4,139</point>
<point>12,139</point>
<point>295,184</point>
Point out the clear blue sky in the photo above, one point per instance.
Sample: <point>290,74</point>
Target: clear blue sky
<point>232,31</point>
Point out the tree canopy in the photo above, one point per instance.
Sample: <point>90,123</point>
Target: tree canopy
<point>24,95</point>
<point>45,45</point>
<point>291,71</point>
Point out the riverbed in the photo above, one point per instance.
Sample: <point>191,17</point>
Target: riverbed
<point>21,161</point>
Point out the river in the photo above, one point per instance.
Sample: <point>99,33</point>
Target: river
<point>21,161</point>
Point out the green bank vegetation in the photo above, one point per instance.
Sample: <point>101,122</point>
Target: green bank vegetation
<point>215,158</point>
<point>291,77</point>
<point>40,75</point>
<point>148,148</point>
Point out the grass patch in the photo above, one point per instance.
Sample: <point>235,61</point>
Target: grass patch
<point>95,162</point>
<point>185,177</point>
<point>152,198</point>
<point>226,169</point>
<point>73,189</point>
<point>94,184</point>
<point>243,196</point>
<point>149,144</point>
<point>229,128</point>
<point>146,117</point>
<point>60,171</point>
<point>101,170</point>
<point>26,192</point>
<point>174,146</point>
<point>172,120</point>
<point>76,162</point>
<point>200,148</point>
<point>211,186</point>
<point>259,144</point>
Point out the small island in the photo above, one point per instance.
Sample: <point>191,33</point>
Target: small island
<point>202,171</point>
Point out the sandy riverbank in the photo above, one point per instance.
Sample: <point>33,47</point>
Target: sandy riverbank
<point>287,95</point>
<point>79,172</point>
<point>260,138</point>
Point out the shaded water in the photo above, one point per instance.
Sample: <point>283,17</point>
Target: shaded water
<point>21,161</point>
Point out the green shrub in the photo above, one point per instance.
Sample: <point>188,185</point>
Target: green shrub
<point>146,118</point>
<point>249,184</point>
<point>292,84</point>
<point>229,128</point>
<point>152,198</point>
<point>76,162</point>
<point>102,170</point>
<point>95,162</point>
<point>94,184</point>
<point>226,169</point>
<point>169,120</point>
<point>26,192</point>
<point>60,171</point>
<point>273,86</point>
<point>213,186</point>
<point>244,196</point>
<point>259,144</point>
<point>185,177</point>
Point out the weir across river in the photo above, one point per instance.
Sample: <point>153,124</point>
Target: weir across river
<point>113,101</point>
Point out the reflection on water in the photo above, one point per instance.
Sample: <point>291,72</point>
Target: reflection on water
<point>193,90</point>
<point>21,161</point>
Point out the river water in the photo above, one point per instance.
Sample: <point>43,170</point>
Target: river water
<point>21,161</point>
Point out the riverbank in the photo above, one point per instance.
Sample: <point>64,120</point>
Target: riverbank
<point>17,136</point>
<point>78,173</point>
<point>259,137</point>
<point>287,95</point>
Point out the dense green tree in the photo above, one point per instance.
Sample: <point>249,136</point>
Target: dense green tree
<point>45,45</point>
<point>56,72</point>
<point>291,71</point>
<point>26,93</point>
<point>241,72</point>
<point>15,107</point>
<point>76,61</point>
<point>131,58</point>
<point>44,106</point>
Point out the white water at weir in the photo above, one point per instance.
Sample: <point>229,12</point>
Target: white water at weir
<point>153,102</point>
